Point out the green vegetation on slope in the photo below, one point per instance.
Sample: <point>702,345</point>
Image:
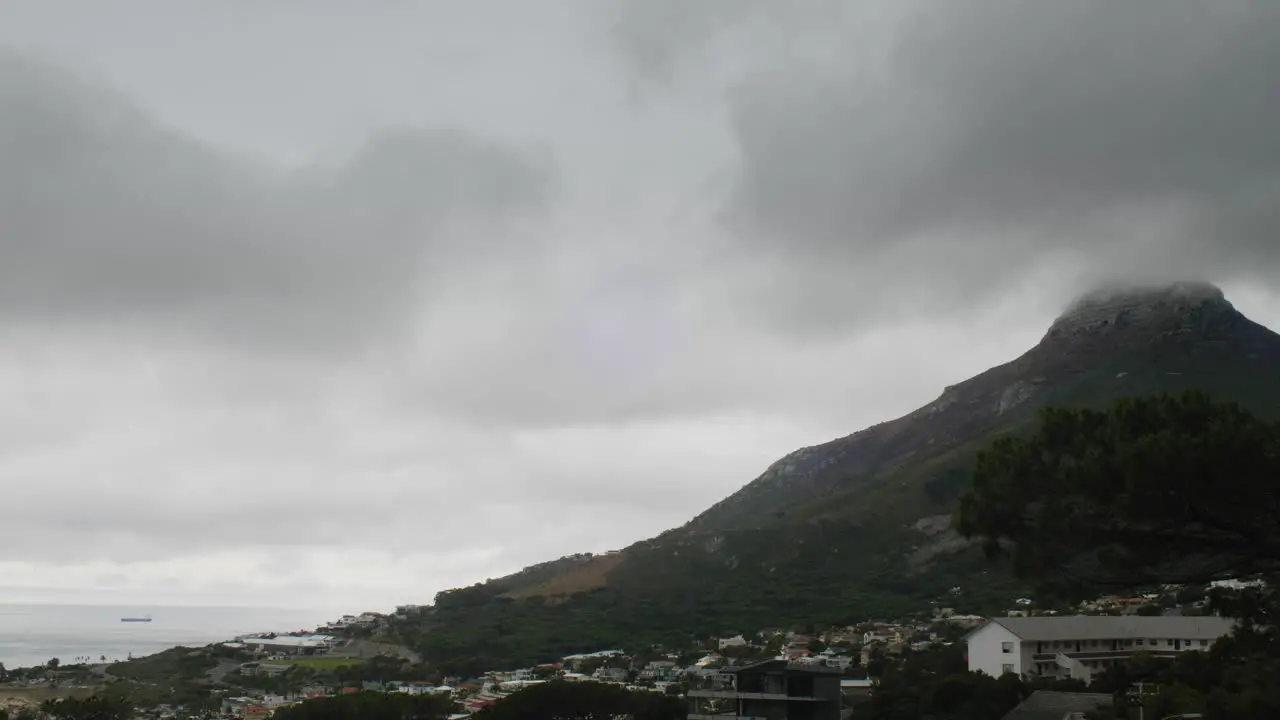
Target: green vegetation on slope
<point>739,583</point>
<point>174,665</point>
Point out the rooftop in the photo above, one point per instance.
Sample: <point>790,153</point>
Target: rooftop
<point>1106,627</point>
<point>289,640</point>
<point>1050,705</point>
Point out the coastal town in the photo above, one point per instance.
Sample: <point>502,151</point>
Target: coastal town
<point>254,676</point>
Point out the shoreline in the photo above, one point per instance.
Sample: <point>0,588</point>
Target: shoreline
<point>76,634</point>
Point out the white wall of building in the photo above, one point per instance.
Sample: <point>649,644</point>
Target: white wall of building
<point>987,651</point>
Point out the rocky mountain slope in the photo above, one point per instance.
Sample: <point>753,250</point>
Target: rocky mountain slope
<point>1107,344</point>
<point>860,525</point>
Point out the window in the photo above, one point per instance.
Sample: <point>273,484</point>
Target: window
<point>1204,643</point>
<point>1140,641</point>
<point>1006,668</point>
<point>1166,642</point>
<point>1006,647</point>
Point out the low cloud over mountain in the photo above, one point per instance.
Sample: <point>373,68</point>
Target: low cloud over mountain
<point>283,291</point>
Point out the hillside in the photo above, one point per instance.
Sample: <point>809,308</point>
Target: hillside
<point>858,526</point>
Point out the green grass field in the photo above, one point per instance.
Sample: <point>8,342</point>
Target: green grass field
<point>319,663</point>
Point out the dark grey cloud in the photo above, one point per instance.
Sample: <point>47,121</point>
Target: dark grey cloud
<point>658,37</point>
<point>109,216</point>
<point>550,276</point>
<point>983,138</point>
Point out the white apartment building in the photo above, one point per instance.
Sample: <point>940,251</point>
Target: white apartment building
<point>1076,646</point>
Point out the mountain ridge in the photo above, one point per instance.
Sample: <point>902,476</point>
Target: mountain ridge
<point>856,526</point>
<point>1095,323</point>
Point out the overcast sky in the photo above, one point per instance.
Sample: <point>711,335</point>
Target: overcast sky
<point>338,303</point>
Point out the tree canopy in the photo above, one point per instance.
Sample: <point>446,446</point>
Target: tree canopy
<point>1162,489</point>
<point>937,684</point>
<point>560,700</point>
<point>369,706</point>
<point>97,707</point>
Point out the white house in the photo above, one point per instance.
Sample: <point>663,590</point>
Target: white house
<point>610,674</point>
<point>880,636</point>
<point>660,670</point>
<point>420,688</point>
<point>1076,646</point>
<point>513,685</point>
<point>591,656</point>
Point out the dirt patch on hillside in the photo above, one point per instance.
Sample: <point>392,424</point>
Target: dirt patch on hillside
<point>592,574</point>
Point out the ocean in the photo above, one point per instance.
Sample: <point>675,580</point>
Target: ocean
<point>32,634</point>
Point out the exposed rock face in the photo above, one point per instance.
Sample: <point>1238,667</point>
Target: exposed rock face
<point>1014,395</point>
<point>1116,307</point>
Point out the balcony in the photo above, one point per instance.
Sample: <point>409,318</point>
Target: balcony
<point>1104,654</point>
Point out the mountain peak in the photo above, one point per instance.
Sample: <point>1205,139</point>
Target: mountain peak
<point>1110,295</point>
<point>857,526</point>
<point>1105,306</point>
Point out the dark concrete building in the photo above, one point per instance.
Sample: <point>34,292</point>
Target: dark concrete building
<point>771,690</point>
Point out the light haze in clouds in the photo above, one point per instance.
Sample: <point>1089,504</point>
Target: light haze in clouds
<point>338,304</point>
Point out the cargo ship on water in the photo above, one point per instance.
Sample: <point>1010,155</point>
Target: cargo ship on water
<point>136,619</point>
